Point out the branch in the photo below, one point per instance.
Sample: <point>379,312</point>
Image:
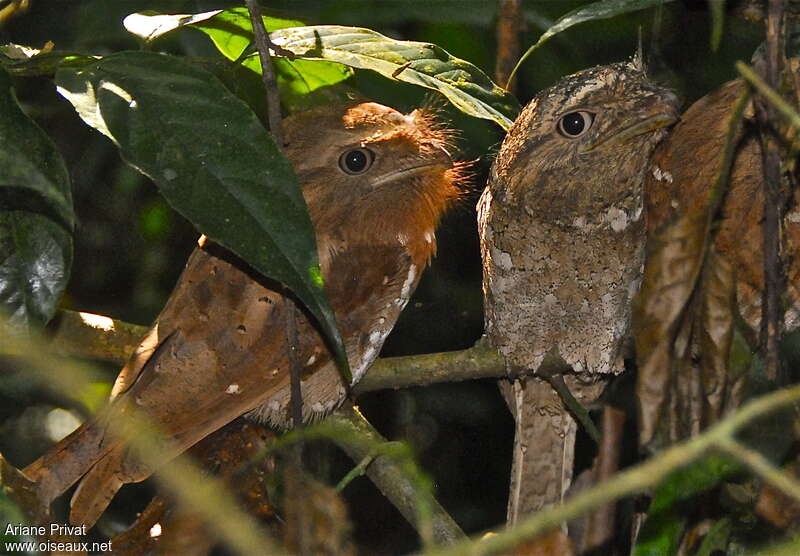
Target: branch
<point>421,509</point>
<point>98,337</point>
<point>771,154</point>
<point>90,336</point>
<point>510,22</point>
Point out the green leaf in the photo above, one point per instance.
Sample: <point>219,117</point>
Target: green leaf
<point>35,259</point>
<point>212,160</point>
<point>716,540</point>
<point>661,535</point>
<point>604,9</point>
<point>663,529</point>
<point>36,217</point>
<point>697,477</point>
<point>232,33</point>
<point>418,63</point>
<point>28,61</point>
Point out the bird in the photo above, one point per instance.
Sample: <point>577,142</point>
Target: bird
<point>376,183</point>
<point>683,167</point>
<point>562,242</point>
<point>673,187</point>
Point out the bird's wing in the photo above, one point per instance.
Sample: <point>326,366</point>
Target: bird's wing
<point>224,351</point>
<point>368,286</point>
<point>209,358</point>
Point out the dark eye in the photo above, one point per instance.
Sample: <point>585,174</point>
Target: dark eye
<point>356,161</point>
<point>575,124</point>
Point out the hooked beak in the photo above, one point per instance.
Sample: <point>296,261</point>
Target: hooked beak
<point>663,113</point>
<point>640,127</point>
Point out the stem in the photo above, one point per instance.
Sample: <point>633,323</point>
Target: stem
<point>759,465</point>
<point>263,44</point>
<point>510,22</point>
<point>771,309</point>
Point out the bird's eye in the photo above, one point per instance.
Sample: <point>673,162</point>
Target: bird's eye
<point>356,161</point>
<point>575,124</point>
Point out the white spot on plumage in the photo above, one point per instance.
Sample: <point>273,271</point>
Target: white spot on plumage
<point>661,175</point>
<point>402,238</point>
<point>502,259</point>
<point>617,218</point>
<point>405,292</point>
<point>311,360</point>
<point>429,236</point>
<point>233,389</point>
<point>370,354</point>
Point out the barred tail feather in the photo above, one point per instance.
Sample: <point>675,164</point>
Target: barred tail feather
<point>64,464</point>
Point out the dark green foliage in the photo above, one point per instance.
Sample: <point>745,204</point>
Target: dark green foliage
<point>36,217</point>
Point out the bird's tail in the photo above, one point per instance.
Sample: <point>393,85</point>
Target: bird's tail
<point>544,445</point>
<point>68,461</point>
<point>98,488</point>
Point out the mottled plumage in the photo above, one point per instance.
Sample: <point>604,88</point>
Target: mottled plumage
<point>562,241</point>
<point>375,182</point>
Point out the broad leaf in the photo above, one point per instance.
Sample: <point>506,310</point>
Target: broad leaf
<point>149,25</point>
<point>423,64</point>
<point>232,34</point>
<point>604,9</point>
<point>212,160</point>
<point>418,63</point>
<point>36,217</point>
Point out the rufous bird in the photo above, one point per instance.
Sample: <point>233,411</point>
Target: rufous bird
<point>376,183</point>
<point>562,241</point>
<point>676,404</point>
<point>686,164</point>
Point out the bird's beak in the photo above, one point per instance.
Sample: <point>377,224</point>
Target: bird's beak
<point>663,113</point>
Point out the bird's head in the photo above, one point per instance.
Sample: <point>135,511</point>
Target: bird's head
<point>580,142</point>
<point>370,173</point>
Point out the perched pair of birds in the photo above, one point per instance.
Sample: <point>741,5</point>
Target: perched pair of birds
<point>563,231</point>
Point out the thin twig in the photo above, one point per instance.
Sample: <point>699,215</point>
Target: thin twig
<point>760,466</point>
<point>786,109</point>
<point>192,487</point>
<point>600,527</point>
<point>263,44</point>
<point>774,279</point>
<point>574,406</point>
<point>396,480</point>
<point>356,471</point>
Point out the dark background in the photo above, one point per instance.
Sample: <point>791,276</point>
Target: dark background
<point>130,246</point>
